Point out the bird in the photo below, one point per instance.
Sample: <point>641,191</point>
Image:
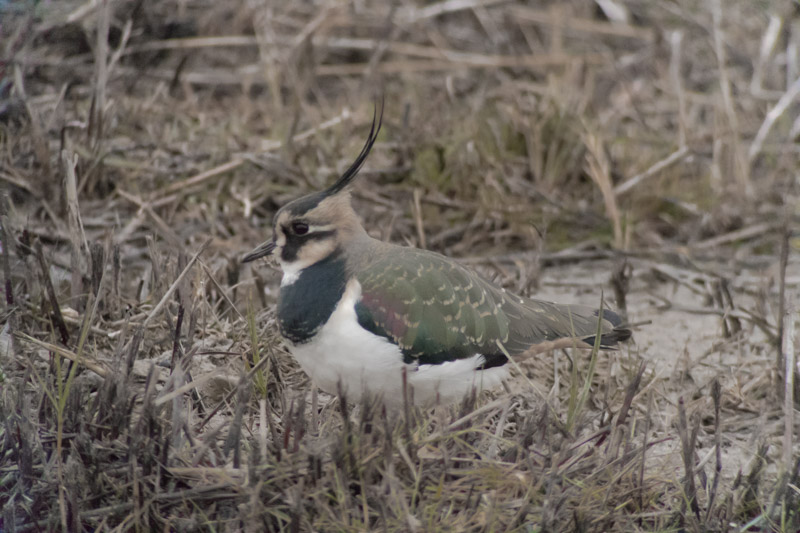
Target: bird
<point>368,318</point>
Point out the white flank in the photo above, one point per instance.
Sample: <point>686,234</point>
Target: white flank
<point>345,354</point>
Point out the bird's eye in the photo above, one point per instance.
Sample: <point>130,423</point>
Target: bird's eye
<point>299,228</point>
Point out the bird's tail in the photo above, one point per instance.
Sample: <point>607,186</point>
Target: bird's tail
<point>618,332</point>
<point>581,322</point>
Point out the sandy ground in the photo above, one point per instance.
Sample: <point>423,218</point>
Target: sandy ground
<point>685,351</point>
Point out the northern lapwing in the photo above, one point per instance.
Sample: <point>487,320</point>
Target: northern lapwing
<point>361,315</point>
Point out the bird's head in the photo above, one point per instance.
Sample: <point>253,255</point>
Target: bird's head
<point>310,229</point>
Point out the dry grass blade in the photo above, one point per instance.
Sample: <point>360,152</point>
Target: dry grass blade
<point>186,387</point>
<point>77,235</point>
<point>789,374</point>
<point>688,442</point>
<point>414,14</point>
<point>599,169</point>
<point>5,250</point>
<point>96,367</point>
<point>58,318</point>
<point>654,170</point>
<point>582,25</point>
<point>183,185</point>
<point>716,395</point>
<point>175,284</point>
<point>750,232</point>
<point>789,97</point>
<point>163,228</point>
<point>741,170</point>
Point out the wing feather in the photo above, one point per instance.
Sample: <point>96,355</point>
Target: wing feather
<point>459,314</point>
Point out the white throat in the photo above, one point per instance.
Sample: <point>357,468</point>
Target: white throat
<point>310,254</point>
<point>291,271</point>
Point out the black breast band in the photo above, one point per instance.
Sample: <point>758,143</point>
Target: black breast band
<point>305,305</point>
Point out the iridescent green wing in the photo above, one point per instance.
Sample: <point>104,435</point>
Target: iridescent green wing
<point>435,310</point>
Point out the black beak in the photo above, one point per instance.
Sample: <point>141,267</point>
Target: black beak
<point>263,250</point>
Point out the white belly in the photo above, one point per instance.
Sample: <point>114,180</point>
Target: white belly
<point>345,355</point>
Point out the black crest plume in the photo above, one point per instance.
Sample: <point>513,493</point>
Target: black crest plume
<point>350,173</point>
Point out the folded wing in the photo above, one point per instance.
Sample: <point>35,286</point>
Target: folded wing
<point>436,311</point>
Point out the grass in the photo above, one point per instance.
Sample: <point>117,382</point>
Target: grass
<point>145,147</point>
